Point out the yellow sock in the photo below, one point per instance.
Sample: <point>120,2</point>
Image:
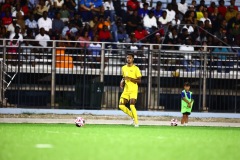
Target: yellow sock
<point>134,112</point>
<point>126,110</point>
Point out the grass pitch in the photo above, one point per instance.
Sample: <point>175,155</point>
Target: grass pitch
<point>117,142</point>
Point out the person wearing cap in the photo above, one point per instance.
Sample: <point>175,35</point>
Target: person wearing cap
<point>186,103</point>
<point>231,12</point>
<point>129,83</point>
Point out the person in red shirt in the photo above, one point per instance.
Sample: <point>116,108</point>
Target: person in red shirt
<point>222,9</point>
<point>211,8</point>
<point>232,3</point>
<point>133,4</point>
<point>105,35</point>
<point>140,33</point>
<point>7,19</point>
<point>6,5</point>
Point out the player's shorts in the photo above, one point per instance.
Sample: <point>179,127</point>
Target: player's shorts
<point>129,95</point>
<point>186,113</point>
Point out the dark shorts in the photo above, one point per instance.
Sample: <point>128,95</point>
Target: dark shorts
<point>186,113</point>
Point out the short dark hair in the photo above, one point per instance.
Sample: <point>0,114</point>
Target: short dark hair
<point>186,84</point>
<point>131,54</point>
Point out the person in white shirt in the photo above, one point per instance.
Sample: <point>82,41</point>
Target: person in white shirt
<point>182,8</point>
<point>205,17</point>
<point>109,10</point>
<point>45,22</point>
<point>42,40</point>
<point>170,12</point>
<point>189,27</point>
<point>189,64</point>
<point>146,1</point>
<point>176,21</point>
<point>150,21</point>
<point>18,9</point>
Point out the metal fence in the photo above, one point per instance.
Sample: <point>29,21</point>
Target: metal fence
<point>69,77</point>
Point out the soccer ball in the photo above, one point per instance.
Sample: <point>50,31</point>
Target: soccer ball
<point>174,122</point>
<point>79,122</point>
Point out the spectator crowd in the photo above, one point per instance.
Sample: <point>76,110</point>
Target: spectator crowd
<point>112,21</point>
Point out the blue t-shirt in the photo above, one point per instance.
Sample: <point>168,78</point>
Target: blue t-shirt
<point>187,93</point>
<point>87,3</point>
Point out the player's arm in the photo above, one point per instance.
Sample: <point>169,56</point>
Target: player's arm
<point>137,80</point>
<point>189,103</point>
<point>122,83</point>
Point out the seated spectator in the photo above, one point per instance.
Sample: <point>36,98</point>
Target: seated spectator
<point>221,33</point>
<point>182,8</point>
<point>232,3</point>
<point>176,21</point>
<point>235,31</point>
<point>69,32</point>
<point>208,26</point>
<point>140,34</point>
<point>31,24</point>
<point>40,9</point>
<point>170,12</point>
<point>102,21</point>
<point>150,22</point>
<point>142,12</point>
<point>3,33</point>
<point>211,8</point>
<point>45,22</point>
<point>149,2</point>
<point>77,22</point>
<point>205,17</point>
<point>58,4</point>
<point>189,63</point>
<point>174,6</point>
<point>220,55</point>
<point>109,10</point>
<point>158,10</point>
<point>231,12</point>
<point>222,9</point>
<point>214,17</point>
<point>202,3</point>
<point>163,21</point>
<point>7,5</point>
<point>93,22</point>
<point>133,5</point>
<point>42,40</point>
<point>70,4</point>
<point>64,13</point>
<point>190,16</point>
<point>199,13</point>
<point>7,19</point>
<point>90,7</point>
<point>133,20</point>
<point>15,39</point>
<point>95,53</point>
<point>18,10</point>
<point>20,21</point>
<point>105,35</point>
<point>57,25</point>
<point>82,39</point>
<point>189,27</point>
<point>11,27</point>
<point>122,36</point>
<point>182,36</point>
<point>233,21</point>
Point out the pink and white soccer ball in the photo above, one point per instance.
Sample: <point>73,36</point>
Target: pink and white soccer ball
<point>174,122</point>
<point>79,122</point>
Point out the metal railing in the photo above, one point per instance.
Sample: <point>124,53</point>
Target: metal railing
<point>88,78</point>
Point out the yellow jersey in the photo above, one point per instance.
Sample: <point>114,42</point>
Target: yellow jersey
<point>132,72</point>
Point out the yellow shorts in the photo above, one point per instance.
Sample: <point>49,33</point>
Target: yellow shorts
<point>129,95</point>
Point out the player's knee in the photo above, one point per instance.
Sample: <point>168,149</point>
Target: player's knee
<point>122,101</point>
<point>132,102</point>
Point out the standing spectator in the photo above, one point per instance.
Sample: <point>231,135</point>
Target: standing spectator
<point>174,6</point>
<point>45,22</point>
<point>231,12</point>
<point>199,12</point>
<point>158,10</point>
<point>18,10</point>
<point>21,22</point>
<point>222,9</point>
<point>150,22</point>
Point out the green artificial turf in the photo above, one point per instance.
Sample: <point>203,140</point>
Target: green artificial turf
<point>117,142</point>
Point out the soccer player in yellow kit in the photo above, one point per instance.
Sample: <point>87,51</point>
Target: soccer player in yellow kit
<point>131,78</point>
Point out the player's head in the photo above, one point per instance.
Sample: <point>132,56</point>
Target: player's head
<point>130,58</point>
<point>186,86</point>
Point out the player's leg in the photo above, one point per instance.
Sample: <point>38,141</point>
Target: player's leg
<point>183,119</point>
<point>134,111</point>
<point>122,106</point>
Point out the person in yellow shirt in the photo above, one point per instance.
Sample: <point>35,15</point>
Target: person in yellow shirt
<point>129,83</point>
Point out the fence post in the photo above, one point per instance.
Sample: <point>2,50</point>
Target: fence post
<point>2,77</point>
<point>204,80</point>
<point>102,63</point>
<point>149,86</point>
<point>53,81</point>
